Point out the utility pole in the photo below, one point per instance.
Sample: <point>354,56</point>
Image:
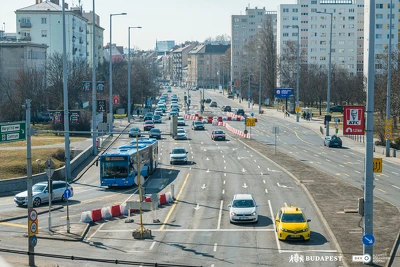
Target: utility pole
<point>31,248</point>
<point>94,86</point>
<point>389,78</point>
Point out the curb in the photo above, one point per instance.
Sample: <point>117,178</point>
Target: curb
<point>298,182</point>
<point>25,216</point>
<point>69,239</point>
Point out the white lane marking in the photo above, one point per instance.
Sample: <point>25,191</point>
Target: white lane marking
<point>225,167</point>
<point>305,150</point>
<point>160,154</point>
<point>243,170</point>
<point>152,245</point>
<point>251,155</point>
<point>396,187</point>
<point>95,232</point>
<point>341,165</point>
<point>328,160</point>
<point>359,160</point>
<point>221,151</point>
<point>223,191</point>
<point>245,186</point>
<point>285,204</point>
<point>203,187</point>
<point>311,250</point>
<point>201,142</point>
<point>346,156</point>
<point>266,190</point>
<point>255,160</point>
<point>264,181</point>
<point>273,221</point>
<point>224,181</point>
<point>261,174</point>
<point>192,156</point>
<point>196,230</point>
<point>224,174</point>
<point>197,206</point>
<point>215,247</point>
<point>259,167</point>
<point>207,159</point>
<point>219,215</point>
<point>131,195</point>
<point>223,156</point>
<point>316,155</point>
<point>208,170</point>
<point>294,146</point>
<point>357,171</point>
<point>224,161</point>
<point>395,173</point>
<point>190,148</point>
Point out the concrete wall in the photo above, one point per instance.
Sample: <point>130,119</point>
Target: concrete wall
<point>19,184</point>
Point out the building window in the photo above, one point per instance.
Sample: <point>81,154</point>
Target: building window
<point>379,6</point>
<point>322,34</point>
<point>285,18</point>
<point>379,26</point>
<point>236,20</point>
<point>341,42</point>
<point>236,26</point>
<point>341,58</point>
<point>295,18</point>
<point>351,58</point>
<point>351,26</point>
<point>285,34</point>
<point>322,50</point>
<point>379,16</point>
<point>294,34</point>
<point>295,10</point>
<point>313,42</point>
<point>378,36</point>
<point>351,10</point>
<point>389,35</point>
<point>322,42</point>
<point>313,2</point>
<point>322,26</point>
<point>285,10</point>
<point>350,42</point>
<point>350,50</point>
<point>244,27</point>
<point>322,58</point>
<point>259,20</point>
<point>351,18</point>
<point>44,33</point>
<point>244,20</point>
<point>44,20</point>
<point>342,26</point>
<point>341,50</point>
<point>313,58</point>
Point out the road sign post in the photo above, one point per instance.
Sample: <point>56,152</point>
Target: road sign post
<point>14,131</point>
<point>50,171</point>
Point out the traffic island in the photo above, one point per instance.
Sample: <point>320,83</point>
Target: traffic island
<point>333,197</point>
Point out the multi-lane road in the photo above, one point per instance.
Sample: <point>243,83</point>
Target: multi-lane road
<point>195,230</point>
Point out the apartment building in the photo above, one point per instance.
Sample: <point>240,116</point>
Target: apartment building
<point>99,38</point>
<point>42,23</point>
<point>205,65</point>
<point>244,29</point>
<point>313,19</point>
<point>179,61</point>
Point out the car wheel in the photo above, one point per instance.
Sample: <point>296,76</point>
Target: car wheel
<point>36,202</point>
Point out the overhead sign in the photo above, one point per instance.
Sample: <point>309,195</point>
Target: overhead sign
<point>14,131</point>
<point>353,120</point>
<point>283,92</point>
<point>101,106</point>
<point>377,165</point>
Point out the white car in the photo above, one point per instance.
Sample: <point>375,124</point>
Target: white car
<point>181,134</point>
<point>181,121</point>
<point>178,155</point>
<point>243,209</point>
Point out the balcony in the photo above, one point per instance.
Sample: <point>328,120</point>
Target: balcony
<point>26,38</point>
<point>25,24</point>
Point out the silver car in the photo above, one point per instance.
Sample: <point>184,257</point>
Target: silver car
<point>243,209</point>
<point>40,193</point>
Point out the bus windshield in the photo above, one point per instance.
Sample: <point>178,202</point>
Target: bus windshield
<point>114,169</point>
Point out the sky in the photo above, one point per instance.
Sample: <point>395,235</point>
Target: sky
<point>178,20</point>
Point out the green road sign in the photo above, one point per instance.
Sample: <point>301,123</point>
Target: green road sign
<point>13,131</point>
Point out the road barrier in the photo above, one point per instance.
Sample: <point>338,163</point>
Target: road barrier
<point>106,213</point>
<point>116,210</point>
<point>96,215</point>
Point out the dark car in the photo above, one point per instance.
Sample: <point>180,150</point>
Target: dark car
<point>213,104</point>
<point>333,141</point>
<point>198,125</point>
<point>208,100</point>
<point>134,131</point>
<point>226,109</point>
<point>336,109</point>
<point>240,112</point>
<point>155,133</point>
<point>148,125</point>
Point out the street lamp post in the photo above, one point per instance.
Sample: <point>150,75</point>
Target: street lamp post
<point>389,78</point>
<point>298,71</point>
<point>94,87</point>
<point>328,100</point>
<point>259,93</point>
<point>129,70</point>
<point>110,48</point>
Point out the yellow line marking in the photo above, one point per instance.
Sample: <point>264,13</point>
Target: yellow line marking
<point>14,225</point>
<point>382,190</point>
<point>347,175</point>
<point>338,174</point>
<point>175,202</point>
<point>384,174</point>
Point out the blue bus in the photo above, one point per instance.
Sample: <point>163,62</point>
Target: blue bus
<point>118,167</point>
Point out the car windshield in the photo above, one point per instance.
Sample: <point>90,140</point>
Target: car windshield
<point>178,151</point>
<point>157,117</point>
<point>148,122</point>
<point>295,218</point>
<point>135,130</point>
<point>155,130</point>
<point>198,123</point>
<point>38,187</point>
<point>243,203</point>
<point>218,132</point>
<point>181,131</point>
<point>181,119</point>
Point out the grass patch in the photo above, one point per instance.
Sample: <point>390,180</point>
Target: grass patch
<point>41,140</point>
<point>13,162</point>
<point>119,116</point>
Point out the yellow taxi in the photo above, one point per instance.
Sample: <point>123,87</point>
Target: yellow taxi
<point>292,224</point>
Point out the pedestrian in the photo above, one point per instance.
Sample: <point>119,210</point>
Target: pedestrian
<point>308,116</point>
<point>242,98</point>
<point>137,112</point>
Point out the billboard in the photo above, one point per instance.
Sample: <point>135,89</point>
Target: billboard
<point>353,120</point>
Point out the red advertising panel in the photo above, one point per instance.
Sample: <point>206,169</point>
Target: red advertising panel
<point>115,99</point>
<point>353,120</point>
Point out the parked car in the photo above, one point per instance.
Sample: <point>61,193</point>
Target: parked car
<point>213,104</point>
<point>181,121</point>
<point>155,133</point>
<point>226,109</point>
<point>240,111</point>
<point>218,135</point>
<point>134,131</point>
<point>198,125</point>
<point>243,208</point>
<point>208,100</point>
<point>157,119</point>
<point>181,134</point>
<point>40,193</point>
<point>148,125</point>
<point>178,155</point>
<point>336,109</point>
<point>333,141</point>
<point>292,224</point>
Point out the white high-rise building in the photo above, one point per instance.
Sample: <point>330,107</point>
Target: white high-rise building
<point>348,35</point>
<point>244,29</point>
<point>42,23</point>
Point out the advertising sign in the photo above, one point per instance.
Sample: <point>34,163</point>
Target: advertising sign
<point>57,116</point>
<point>283,92</point>
<point>353,120</point>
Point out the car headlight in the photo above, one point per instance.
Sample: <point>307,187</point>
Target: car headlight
<point>254,213</point>
<point>305,230</point>
<point>233,214</point>
<point>283,229</point>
